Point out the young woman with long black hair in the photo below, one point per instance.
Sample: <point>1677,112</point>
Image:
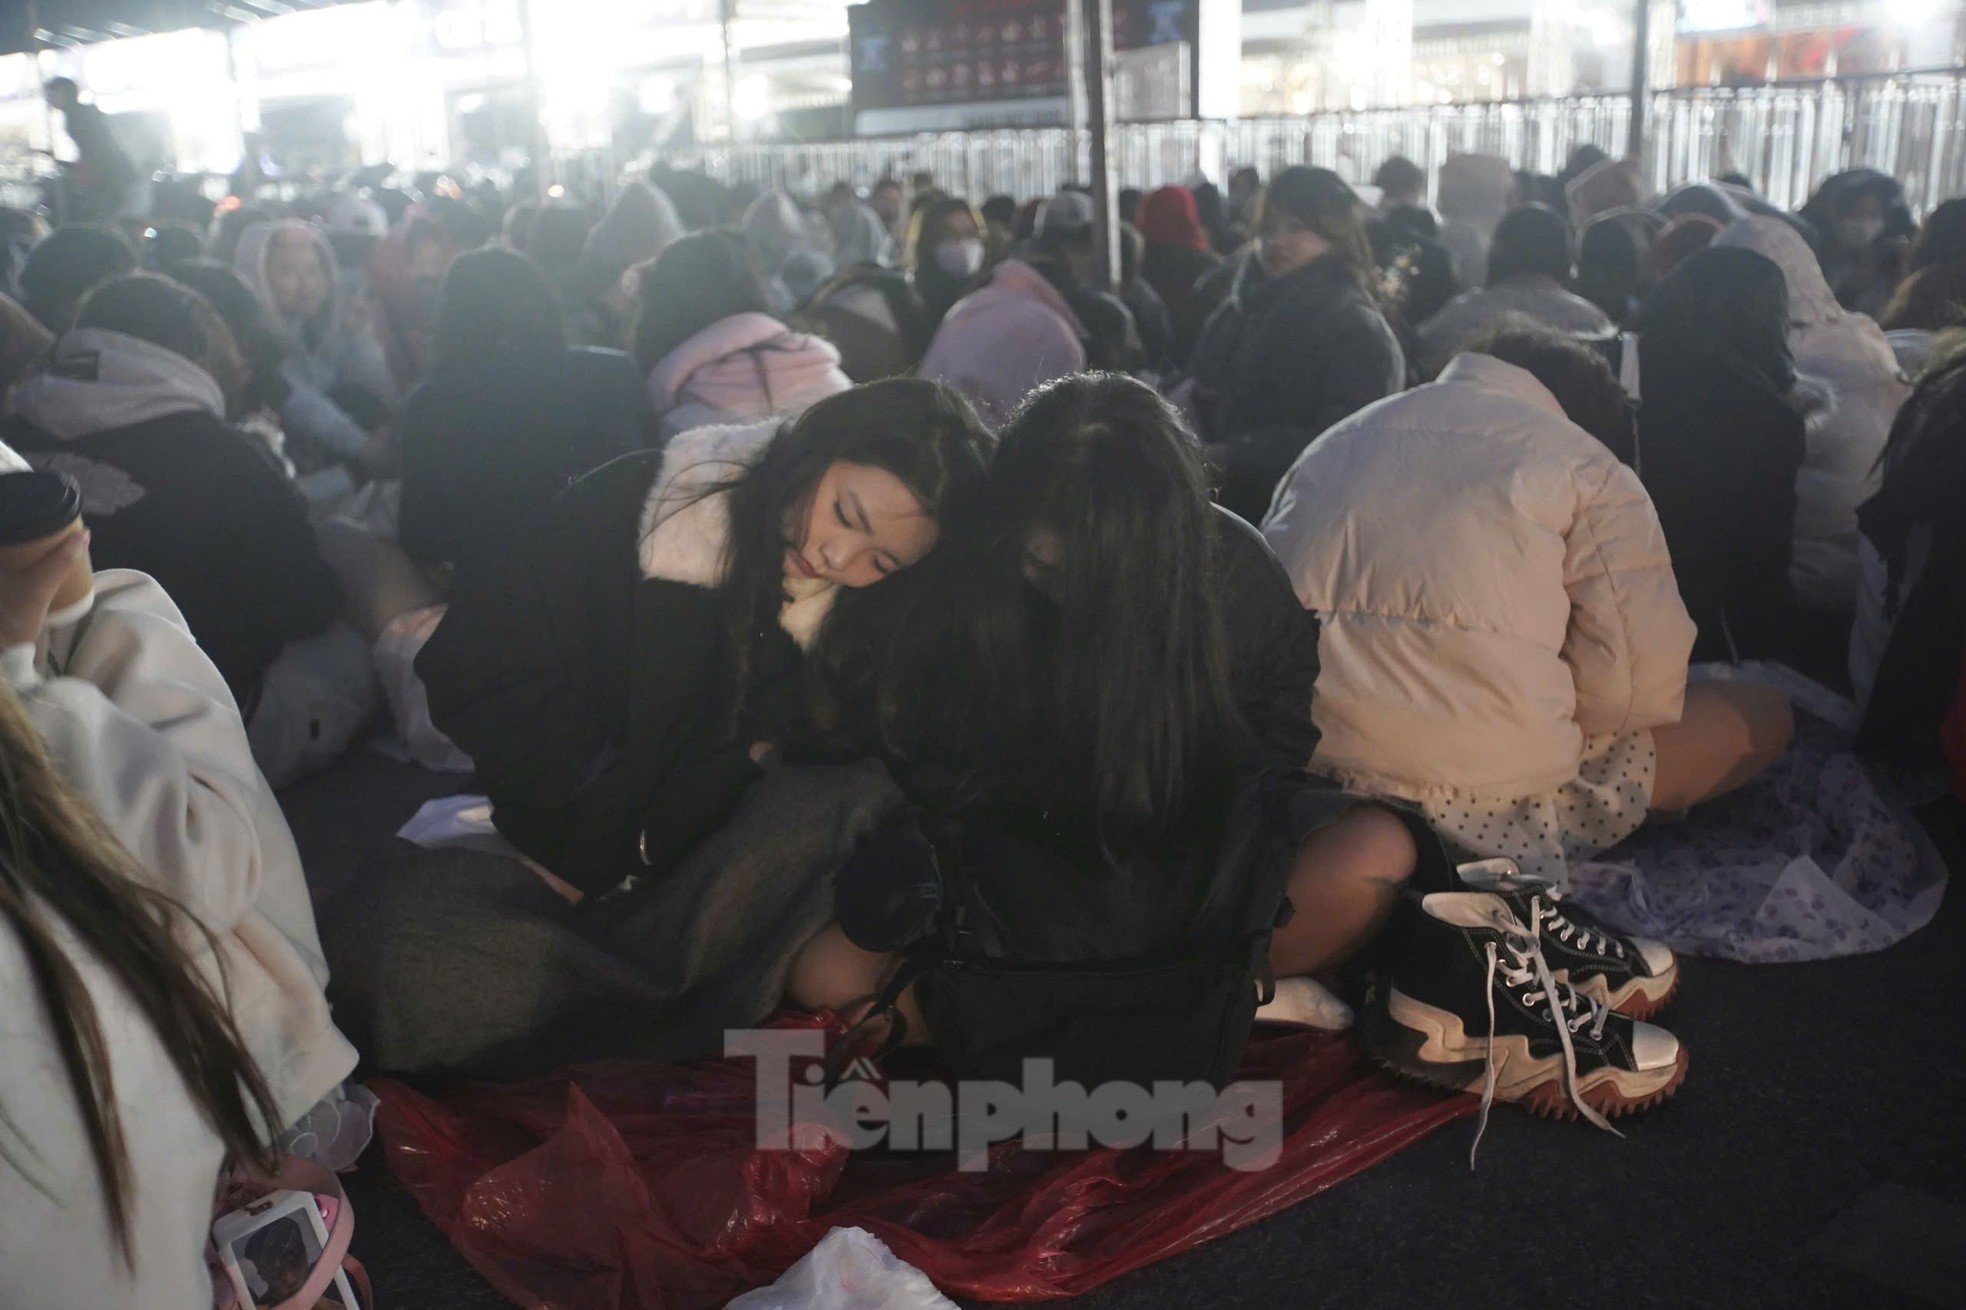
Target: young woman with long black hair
<point>625,681</point>
<point>1100,661</point>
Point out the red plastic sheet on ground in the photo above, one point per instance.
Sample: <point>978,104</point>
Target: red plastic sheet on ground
<point>636,1186</point>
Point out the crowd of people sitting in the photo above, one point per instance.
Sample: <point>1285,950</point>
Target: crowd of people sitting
<point>815,591</point>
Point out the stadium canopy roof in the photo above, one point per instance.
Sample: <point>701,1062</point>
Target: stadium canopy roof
<point>39,24</point>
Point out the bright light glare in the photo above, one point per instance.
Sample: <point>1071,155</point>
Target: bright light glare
<point>752,99</point>
<point>1911,13</point>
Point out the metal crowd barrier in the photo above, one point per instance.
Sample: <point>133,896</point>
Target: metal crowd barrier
<point>1785,137</point>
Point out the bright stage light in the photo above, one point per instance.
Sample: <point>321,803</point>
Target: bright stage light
<point>752,99</point>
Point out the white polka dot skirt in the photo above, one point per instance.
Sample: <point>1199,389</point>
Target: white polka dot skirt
<point>1604,804</point>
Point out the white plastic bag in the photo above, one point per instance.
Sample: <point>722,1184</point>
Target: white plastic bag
<point>850,1269</point>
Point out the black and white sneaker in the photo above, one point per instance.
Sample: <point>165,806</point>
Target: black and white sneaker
<point>1635,976</point>
<point>1467,1000</point>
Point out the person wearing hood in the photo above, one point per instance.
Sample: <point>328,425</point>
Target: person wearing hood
<point>341,390</point>
<point>1849,353</point>
<point>1614,261</point>
<point>1062,250</point>
<point>1007,337</point>
<point>1178,256</point>
<point>859,235</point>
<point>793,268</point>
<point>71,262</point>
<point>1473,193</point>
<point>638,226</point>
<point>1529,276</point>
<point>1862,227</point>
<point>944,255</point>
<point>712,352</point>
<point>133,408</point>
<point>1720,443</point>
<point>1300,344</point>
<point>1910,631</point>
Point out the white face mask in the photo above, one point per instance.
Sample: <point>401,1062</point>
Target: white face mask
<point>1859,233</point>
<point>960,257</point>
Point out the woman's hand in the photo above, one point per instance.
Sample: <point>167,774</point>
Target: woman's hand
<point>25,594</point>
<point>761,751</point>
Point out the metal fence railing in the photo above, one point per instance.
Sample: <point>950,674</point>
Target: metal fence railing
<point>1786,137</point>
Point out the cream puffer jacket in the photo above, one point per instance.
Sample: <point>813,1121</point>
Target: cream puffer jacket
<point>1494,586</point>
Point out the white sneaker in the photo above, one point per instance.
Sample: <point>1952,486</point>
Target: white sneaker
<point>1304,1002</point>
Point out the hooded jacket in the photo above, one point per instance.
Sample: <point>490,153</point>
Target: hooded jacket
<point>335,353</point>
<point>136,719</point>
<point>1494,586</point>
<point>740,369</point>
<point>592,677</point>
<point>775,230</point>
<point>1176,258</point>
<point>169,489</point>
<point>1281,361</point>
<point>1839,467</point>
<point>487,444</point>
<point>1014,333</point>
<point>1466,318</point>
<point>1720,440</point>
<point>140,724</point>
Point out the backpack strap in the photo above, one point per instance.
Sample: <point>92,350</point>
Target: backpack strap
<point>886,1004</point>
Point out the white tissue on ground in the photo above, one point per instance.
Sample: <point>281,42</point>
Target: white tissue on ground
<point>850,1269</point>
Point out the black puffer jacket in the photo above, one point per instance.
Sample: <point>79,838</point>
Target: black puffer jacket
<point>599,702</point>
<point>1282,360</point>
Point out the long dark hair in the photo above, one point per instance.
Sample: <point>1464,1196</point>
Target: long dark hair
<point>260,343</point>
<point>59,864</point>
<point>168,314</point>
<point>1321,201</point>
<point>493,302</point>
<point>1116,683</point>
<point>697,280</point>
<point>922,432</point>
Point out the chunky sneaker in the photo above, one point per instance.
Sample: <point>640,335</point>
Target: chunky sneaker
<point>1634,976</point>
<point>1466,1000</point>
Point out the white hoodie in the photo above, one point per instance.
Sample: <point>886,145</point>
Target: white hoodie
<point>1839,467</point>
<point>139,722</point>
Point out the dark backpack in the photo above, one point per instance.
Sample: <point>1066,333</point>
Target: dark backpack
<point>1169,1005</point>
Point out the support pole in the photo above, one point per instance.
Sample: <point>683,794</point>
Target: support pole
<point>542,150</point>
<point>728,18</point>
<point>1641,74</point>
<point>1096,47</point>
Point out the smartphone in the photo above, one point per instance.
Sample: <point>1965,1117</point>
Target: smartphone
<point>269,1248</point>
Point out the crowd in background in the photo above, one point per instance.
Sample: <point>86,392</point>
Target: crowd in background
<point>429,453</point>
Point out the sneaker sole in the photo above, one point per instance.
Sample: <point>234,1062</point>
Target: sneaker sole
<point>1639,998</point>
<point>1430,1046</point>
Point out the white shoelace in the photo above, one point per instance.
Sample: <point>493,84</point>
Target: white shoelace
<point>1570,1011</point>
<point>1545,909</point>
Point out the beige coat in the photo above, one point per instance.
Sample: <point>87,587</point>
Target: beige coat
<point>1494,586</point>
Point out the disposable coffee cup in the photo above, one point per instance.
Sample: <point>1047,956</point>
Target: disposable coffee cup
<point>38,512</point>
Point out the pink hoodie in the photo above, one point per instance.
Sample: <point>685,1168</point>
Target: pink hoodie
<point>740,369</point>
<point>1006,337</point>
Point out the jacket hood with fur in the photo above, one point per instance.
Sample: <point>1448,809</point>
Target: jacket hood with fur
<point>99,381</point>
<point>685,523</point>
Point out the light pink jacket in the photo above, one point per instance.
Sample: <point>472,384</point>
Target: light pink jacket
<point>1494,585</point>
<point>1005,338</point>
<point>741,369</point>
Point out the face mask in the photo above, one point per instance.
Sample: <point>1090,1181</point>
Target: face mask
<point>1858,233</point>
<point>962,257</point>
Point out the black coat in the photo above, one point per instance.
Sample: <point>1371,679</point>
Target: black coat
<point>600,705</point>
<point>200,507</point>
<point>487,444</point>
<point>1720,440</point>
<point>1281,361</point>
